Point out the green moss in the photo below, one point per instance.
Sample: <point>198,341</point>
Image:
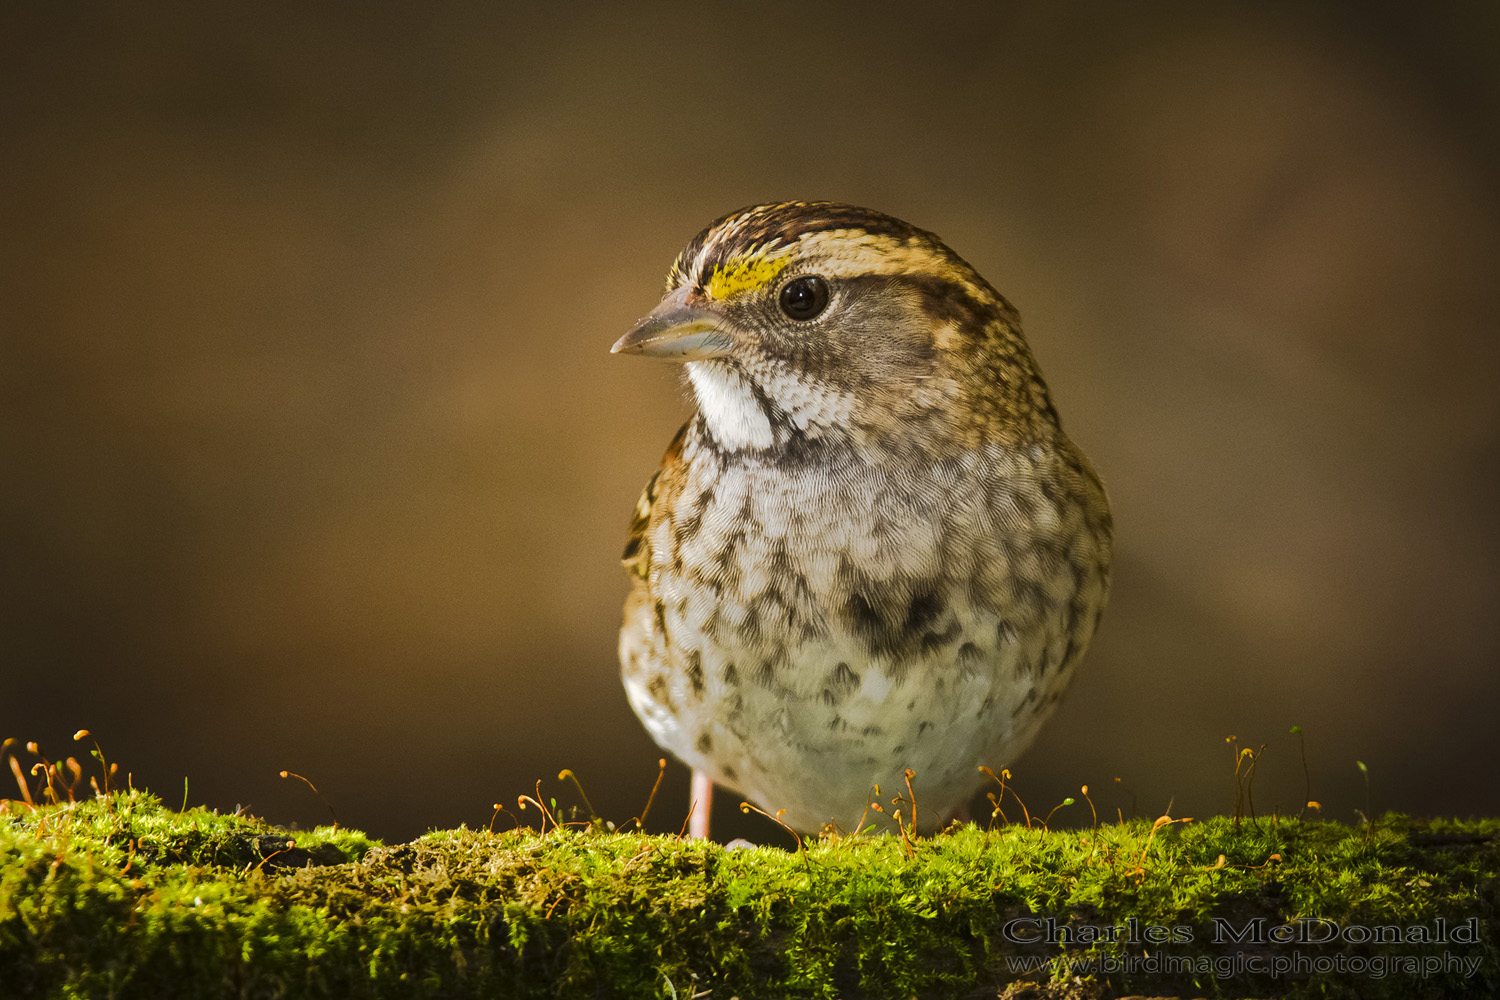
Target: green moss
<point>123,897</point>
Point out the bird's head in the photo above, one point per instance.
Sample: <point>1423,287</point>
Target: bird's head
<point>802,321</point>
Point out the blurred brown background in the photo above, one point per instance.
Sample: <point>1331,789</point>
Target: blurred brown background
<point>312,454</point>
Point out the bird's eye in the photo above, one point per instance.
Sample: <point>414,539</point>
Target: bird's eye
<point>804,298</point>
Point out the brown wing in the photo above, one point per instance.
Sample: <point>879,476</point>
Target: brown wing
<point>637,557</point>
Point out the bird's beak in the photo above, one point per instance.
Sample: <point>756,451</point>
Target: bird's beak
<point>677,331</point>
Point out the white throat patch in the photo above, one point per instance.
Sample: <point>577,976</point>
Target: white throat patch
<point>735,414</point>
<point>729,406</point>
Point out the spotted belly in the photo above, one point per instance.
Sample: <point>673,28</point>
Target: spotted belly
<point>804,638</point>
<point>812,718</point>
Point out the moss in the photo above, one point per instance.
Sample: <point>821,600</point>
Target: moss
<point>122,897</point>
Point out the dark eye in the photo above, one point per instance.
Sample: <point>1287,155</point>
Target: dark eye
<point>804,298</point>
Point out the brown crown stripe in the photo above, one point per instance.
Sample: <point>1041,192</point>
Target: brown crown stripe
<point>787,222</point>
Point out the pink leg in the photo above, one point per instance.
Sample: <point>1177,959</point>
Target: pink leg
<point>700,800</point>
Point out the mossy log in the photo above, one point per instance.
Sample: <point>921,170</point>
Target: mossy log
<point>121,897</point>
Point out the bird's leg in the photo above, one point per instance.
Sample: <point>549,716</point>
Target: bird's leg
<point>700,802</point>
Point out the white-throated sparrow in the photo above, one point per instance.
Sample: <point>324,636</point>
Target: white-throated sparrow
<point>872,548</point>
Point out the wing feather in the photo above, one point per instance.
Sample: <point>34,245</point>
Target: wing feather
<point>637,556</point>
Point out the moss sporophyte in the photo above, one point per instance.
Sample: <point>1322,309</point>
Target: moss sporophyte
<point>121,896</point>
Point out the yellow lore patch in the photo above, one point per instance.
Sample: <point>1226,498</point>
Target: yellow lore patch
<point>744,274</point>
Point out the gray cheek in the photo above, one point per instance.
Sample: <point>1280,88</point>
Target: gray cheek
<point>874,331</point>
<point>883,334</point>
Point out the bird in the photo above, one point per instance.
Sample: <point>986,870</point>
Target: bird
<point>871,557</point>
